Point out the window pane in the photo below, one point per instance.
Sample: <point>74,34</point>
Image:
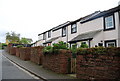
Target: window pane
<point>74,28</point>
<point>111,44</point>
<point>109,22</point>
<point>64,31</point>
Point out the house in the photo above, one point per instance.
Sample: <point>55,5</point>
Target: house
<point>96,29</point>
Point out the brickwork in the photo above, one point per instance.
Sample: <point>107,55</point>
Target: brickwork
<point>57,62</point>
<point>13,50</point>
<point>25,53</point>
<point>105,65</point>
<point>36,54</point>
<point>17,52</point>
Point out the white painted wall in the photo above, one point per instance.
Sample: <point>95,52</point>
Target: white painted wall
<point>112,34</point>
<point>98,38</point>
<point>93,25</point>
<point>57,33</point>
<point>71,36</point>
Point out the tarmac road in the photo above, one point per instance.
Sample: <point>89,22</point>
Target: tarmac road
<point>10,71</point>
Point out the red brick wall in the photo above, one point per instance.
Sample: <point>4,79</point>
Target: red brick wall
<point>8,48</point>
<point>99,66</point>
<point>17,52</point>
<point>25,53</point>
<point>36,54</point>
<point>57,62</point>
<point>12,50</point>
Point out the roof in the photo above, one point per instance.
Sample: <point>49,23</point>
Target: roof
<point>99,14</point>
<point>44,32</point>
<point>61,26</point>
<point>57,27</point>
<point>50,41</point>
<point>85,36</point>
<point>87,18</point>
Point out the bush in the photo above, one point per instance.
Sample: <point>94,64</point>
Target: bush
<point>74,50</point>
<point>83,45</point>
<point>19,46</point>
<point>47,49</point>
<point>60,45</point>
<point>56,47</point>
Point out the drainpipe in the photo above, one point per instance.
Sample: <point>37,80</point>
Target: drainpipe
<point>67,34</point>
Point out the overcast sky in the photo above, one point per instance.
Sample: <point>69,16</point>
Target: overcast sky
<point>31,17</point>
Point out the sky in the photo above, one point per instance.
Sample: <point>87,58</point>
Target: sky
<point>32,17</point>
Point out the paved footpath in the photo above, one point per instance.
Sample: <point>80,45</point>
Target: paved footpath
<point>35,69</point>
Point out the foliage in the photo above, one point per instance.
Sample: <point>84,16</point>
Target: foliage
<point>19,46</point>
<point>47,49</point>
<point>83,45</point>
<point>60,45</point>
<point>2,45</point>
<point>98,50</point>
<point>74,50</point>
<point>25,41</point>
<point>83,51</point>
<point>56,47</point>
<point>12,37</point>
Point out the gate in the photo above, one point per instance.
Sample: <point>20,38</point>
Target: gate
<point>73,65</point>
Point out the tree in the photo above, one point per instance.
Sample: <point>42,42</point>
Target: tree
<point>12,37</point>
<point>25,41</point>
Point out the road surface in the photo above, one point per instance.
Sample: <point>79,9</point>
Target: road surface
<point>9,70</point>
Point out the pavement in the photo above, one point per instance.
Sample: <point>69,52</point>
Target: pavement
<point>37,70</point>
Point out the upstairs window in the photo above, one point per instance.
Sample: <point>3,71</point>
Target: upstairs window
<point>109,22</point>
<point>63,31</point>
<point>49,34</point>
<point>73,28</point>
<point>44,36</point>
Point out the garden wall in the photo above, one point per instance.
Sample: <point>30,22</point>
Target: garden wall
<point>36,54</point>
<point>12,50</point>
<point>18,52</point>
<point>8,47</point>
<point>25,53</point>
<point>59,63</point>
<point>98,63</point>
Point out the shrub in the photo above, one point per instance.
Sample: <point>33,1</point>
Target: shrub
<point>56,47</point>
<point>19,46</point>
<point>47,49</point>
<point>74,50</point>
<point>60,45</point>
<point>83,45</point>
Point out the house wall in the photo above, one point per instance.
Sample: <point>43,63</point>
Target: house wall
<point>119,30</point>
<point>40,37</point>
<point>47,36</point>
<point>112,34</point>
<point>97,39</point>
<point>93,25</point>
<point>71,36</point>
<point>57,33</point>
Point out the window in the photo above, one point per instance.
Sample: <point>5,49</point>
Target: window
<point>44,36</point>
<point>111,43</point>
<point>63,31</point>
<point>49,34</point>
<point>74,28</point>
<point>109,22</point>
